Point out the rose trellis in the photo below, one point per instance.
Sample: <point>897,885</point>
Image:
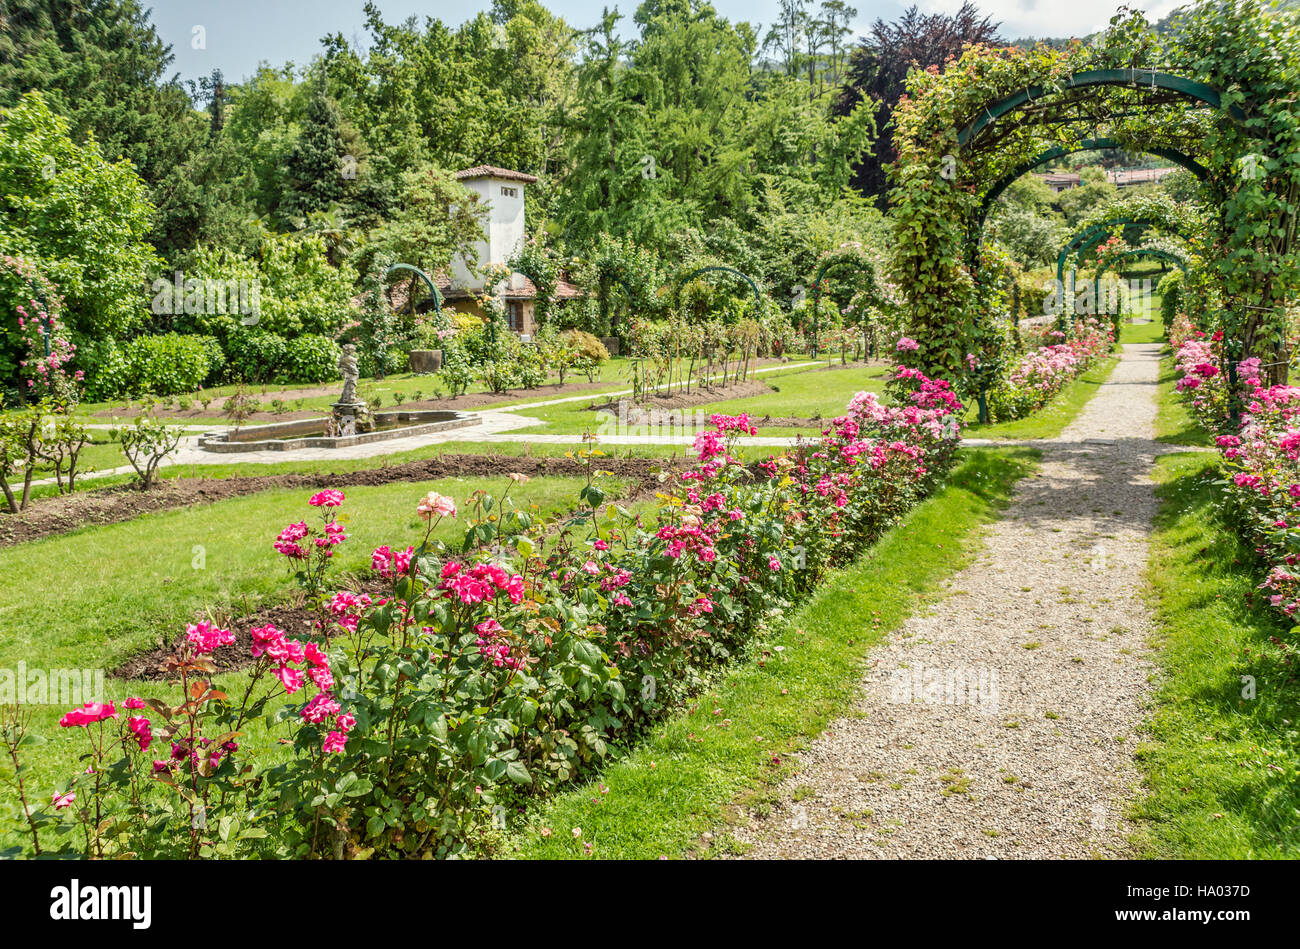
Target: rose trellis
<point>1109,229</point>
<point>1138,213</point>
<point>1219,93</point>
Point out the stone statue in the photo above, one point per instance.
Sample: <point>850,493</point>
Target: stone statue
<point>348,366</point>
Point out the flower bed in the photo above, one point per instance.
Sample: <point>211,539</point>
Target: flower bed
<point>1261,459</point>
<point>1043,372</point>
<point>424,714</point>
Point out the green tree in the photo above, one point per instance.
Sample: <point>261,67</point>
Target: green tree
<point>80,219</point>
<point>102,65</point>
<point>437,218</point>
<point>1094,191</point>
<point>319,166</point>
<point>878,68</point>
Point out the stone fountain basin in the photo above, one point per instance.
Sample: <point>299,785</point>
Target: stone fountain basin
<point>310,432</point>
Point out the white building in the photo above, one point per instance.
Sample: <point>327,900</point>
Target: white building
<point>502,192</point>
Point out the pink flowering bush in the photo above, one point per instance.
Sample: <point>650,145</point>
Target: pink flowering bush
<point>469,677</point>
<point>165,780</point>
<point>1202,381</point>
<point>1041,373</point>
<point>1261,458</point>
<point>46,371</point>
<point>310,549</point>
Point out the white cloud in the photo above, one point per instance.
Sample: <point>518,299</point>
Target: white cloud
<point>1053,17</point>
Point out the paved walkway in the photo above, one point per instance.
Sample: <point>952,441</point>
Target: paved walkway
<point>1003,723</point>
<point>494,425</point>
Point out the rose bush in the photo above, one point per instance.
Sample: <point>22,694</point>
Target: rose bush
<point>434,699</point>
<point>1261,457</point>
<point>1043,372</point>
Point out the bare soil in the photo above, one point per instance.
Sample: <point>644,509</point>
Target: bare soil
<point>294,618</point>
<point>787,421</point>
<point>682,400</point>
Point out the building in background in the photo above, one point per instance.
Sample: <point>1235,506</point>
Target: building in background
<point>502,192</point>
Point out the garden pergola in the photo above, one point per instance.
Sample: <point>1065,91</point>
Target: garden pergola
<point>1211,104</point>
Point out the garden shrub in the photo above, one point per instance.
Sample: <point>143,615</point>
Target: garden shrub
<point>471,676</point>
<point>254,356</point>
<point>1043,372</point>
<point>216,360</point>
<point>1170,289</point>
<point>21,434</point>
<point>62,439</point>
<point>310,358</point>
<point>146,442</point>
<point>533,367</point>
<point>40,345</point>
<point>371,361</point>
<point>589,347</point>
<point>167,364</point>
<point>456,372</point>
<point>1261,457</point>
<point>106,369</point>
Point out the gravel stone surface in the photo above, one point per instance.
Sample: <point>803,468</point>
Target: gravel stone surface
<point>1004,724</point>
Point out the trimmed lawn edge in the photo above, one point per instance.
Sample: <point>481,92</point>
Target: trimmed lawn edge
<point>683,778</point>
<point>1222,764</point>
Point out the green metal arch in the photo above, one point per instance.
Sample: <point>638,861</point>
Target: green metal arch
<point>1138,252</point>
<point>1084,145</point>
<point>1085,239</point>
<point>758,297</point>
<point>1099,77</point>
<point>828,265</point>
<point>1142,252</point>
<point>437,297</point>
<point>1081,243</point>
<point>618,274</point>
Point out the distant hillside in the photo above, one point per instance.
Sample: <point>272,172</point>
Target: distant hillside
<point>1168,24</point>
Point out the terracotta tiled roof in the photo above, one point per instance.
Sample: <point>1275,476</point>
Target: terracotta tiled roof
<point>1137,176</point>
<point>491,171</point>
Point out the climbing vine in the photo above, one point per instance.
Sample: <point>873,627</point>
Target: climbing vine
<point>1221,89</point>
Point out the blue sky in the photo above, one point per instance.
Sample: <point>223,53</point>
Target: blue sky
<point>242,33</point>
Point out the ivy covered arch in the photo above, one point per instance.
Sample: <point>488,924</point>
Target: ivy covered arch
<point>852,256</point>
<point>614,264</point>
<point>1217,90</point>
<point>1168,256</point>
<point>1143,212</point>
<point>745,278</point>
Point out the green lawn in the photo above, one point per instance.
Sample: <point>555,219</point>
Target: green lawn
<point>821,393</point>
<point>806,392</point>
<point>673,788</point>
<point>1223,766</point>
<point>98,454</point>
<point>1153,332</point>
<point>1051,420</point>
<point>612,375</point>
<point>92,598</point>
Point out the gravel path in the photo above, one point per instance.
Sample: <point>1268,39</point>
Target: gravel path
<point>1004,724</point>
